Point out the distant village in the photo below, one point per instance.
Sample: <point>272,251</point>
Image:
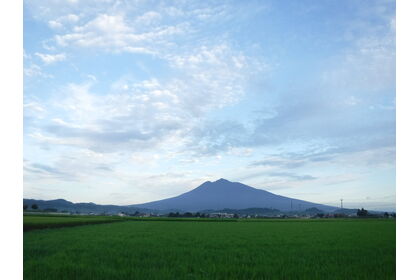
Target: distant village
<point>255,213</point>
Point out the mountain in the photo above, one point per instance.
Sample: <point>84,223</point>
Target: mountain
<point>218,196</point>
<point>64,205</point>
<point>223,194</point>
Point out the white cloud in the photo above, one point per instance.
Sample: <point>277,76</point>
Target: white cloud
<point>214,76</point>
<point>34,106</point>
<point>55,24</point>
<point>148,18</point>
<point>115,33</point>
<point>114,27</point>
<point>71,18</point>
<point>74,165</point>
<point>33,70</point>
<point>61,22</point>
<point>148,113</point>
<point>26,55</point>
<point>51,58</point>
<point>240,152</point>
<point>92,77</point>
<point>369,65</point>
<point>105,24</point>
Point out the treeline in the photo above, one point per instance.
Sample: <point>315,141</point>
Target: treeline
<point>35,207</point>
<point>199,215</point>
<point>363,213</point>
<point>188,215</point>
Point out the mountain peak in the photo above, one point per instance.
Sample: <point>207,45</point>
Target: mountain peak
<point>222,180</point>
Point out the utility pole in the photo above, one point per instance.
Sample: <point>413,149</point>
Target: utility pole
<point>341,203</point>
<point>291,205</point>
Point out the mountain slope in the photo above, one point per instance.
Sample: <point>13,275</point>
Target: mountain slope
<point>223,194</point>
<point>64,205</point>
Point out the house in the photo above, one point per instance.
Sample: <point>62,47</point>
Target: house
<point>221,215</point>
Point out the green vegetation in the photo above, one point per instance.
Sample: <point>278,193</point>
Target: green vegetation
<point>242,249</point>
<point>362,212</point>
<point>31,222</point>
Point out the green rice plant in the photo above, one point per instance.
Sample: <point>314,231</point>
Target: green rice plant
<point>282,249</point>
<point>31,222</point>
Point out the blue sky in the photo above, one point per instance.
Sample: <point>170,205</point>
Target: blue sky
<point>132,101</point>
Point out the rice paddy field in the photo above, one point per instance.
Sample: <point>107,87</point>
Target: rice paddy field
<point>31,222</point>
<point>212,249</point>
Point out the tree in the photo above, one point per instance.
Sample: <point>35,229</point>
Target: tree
<point>34,206</point>
<point>25,206</point>
<point>386,215</point>
<point>362,212</point>
<point>236,216</point>
<point>172,214</point>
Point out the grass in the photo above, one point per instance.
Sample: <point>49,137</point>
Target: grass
<point>150,249</point>
<point>43,221</point>
<point>31,222</point>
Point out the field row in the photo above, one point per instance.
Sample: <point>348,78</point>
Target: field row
<point>340,249</point>
<point>31,222</point>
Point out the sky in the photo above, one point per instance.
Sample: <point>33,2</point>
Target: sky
<point>128,102</point>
